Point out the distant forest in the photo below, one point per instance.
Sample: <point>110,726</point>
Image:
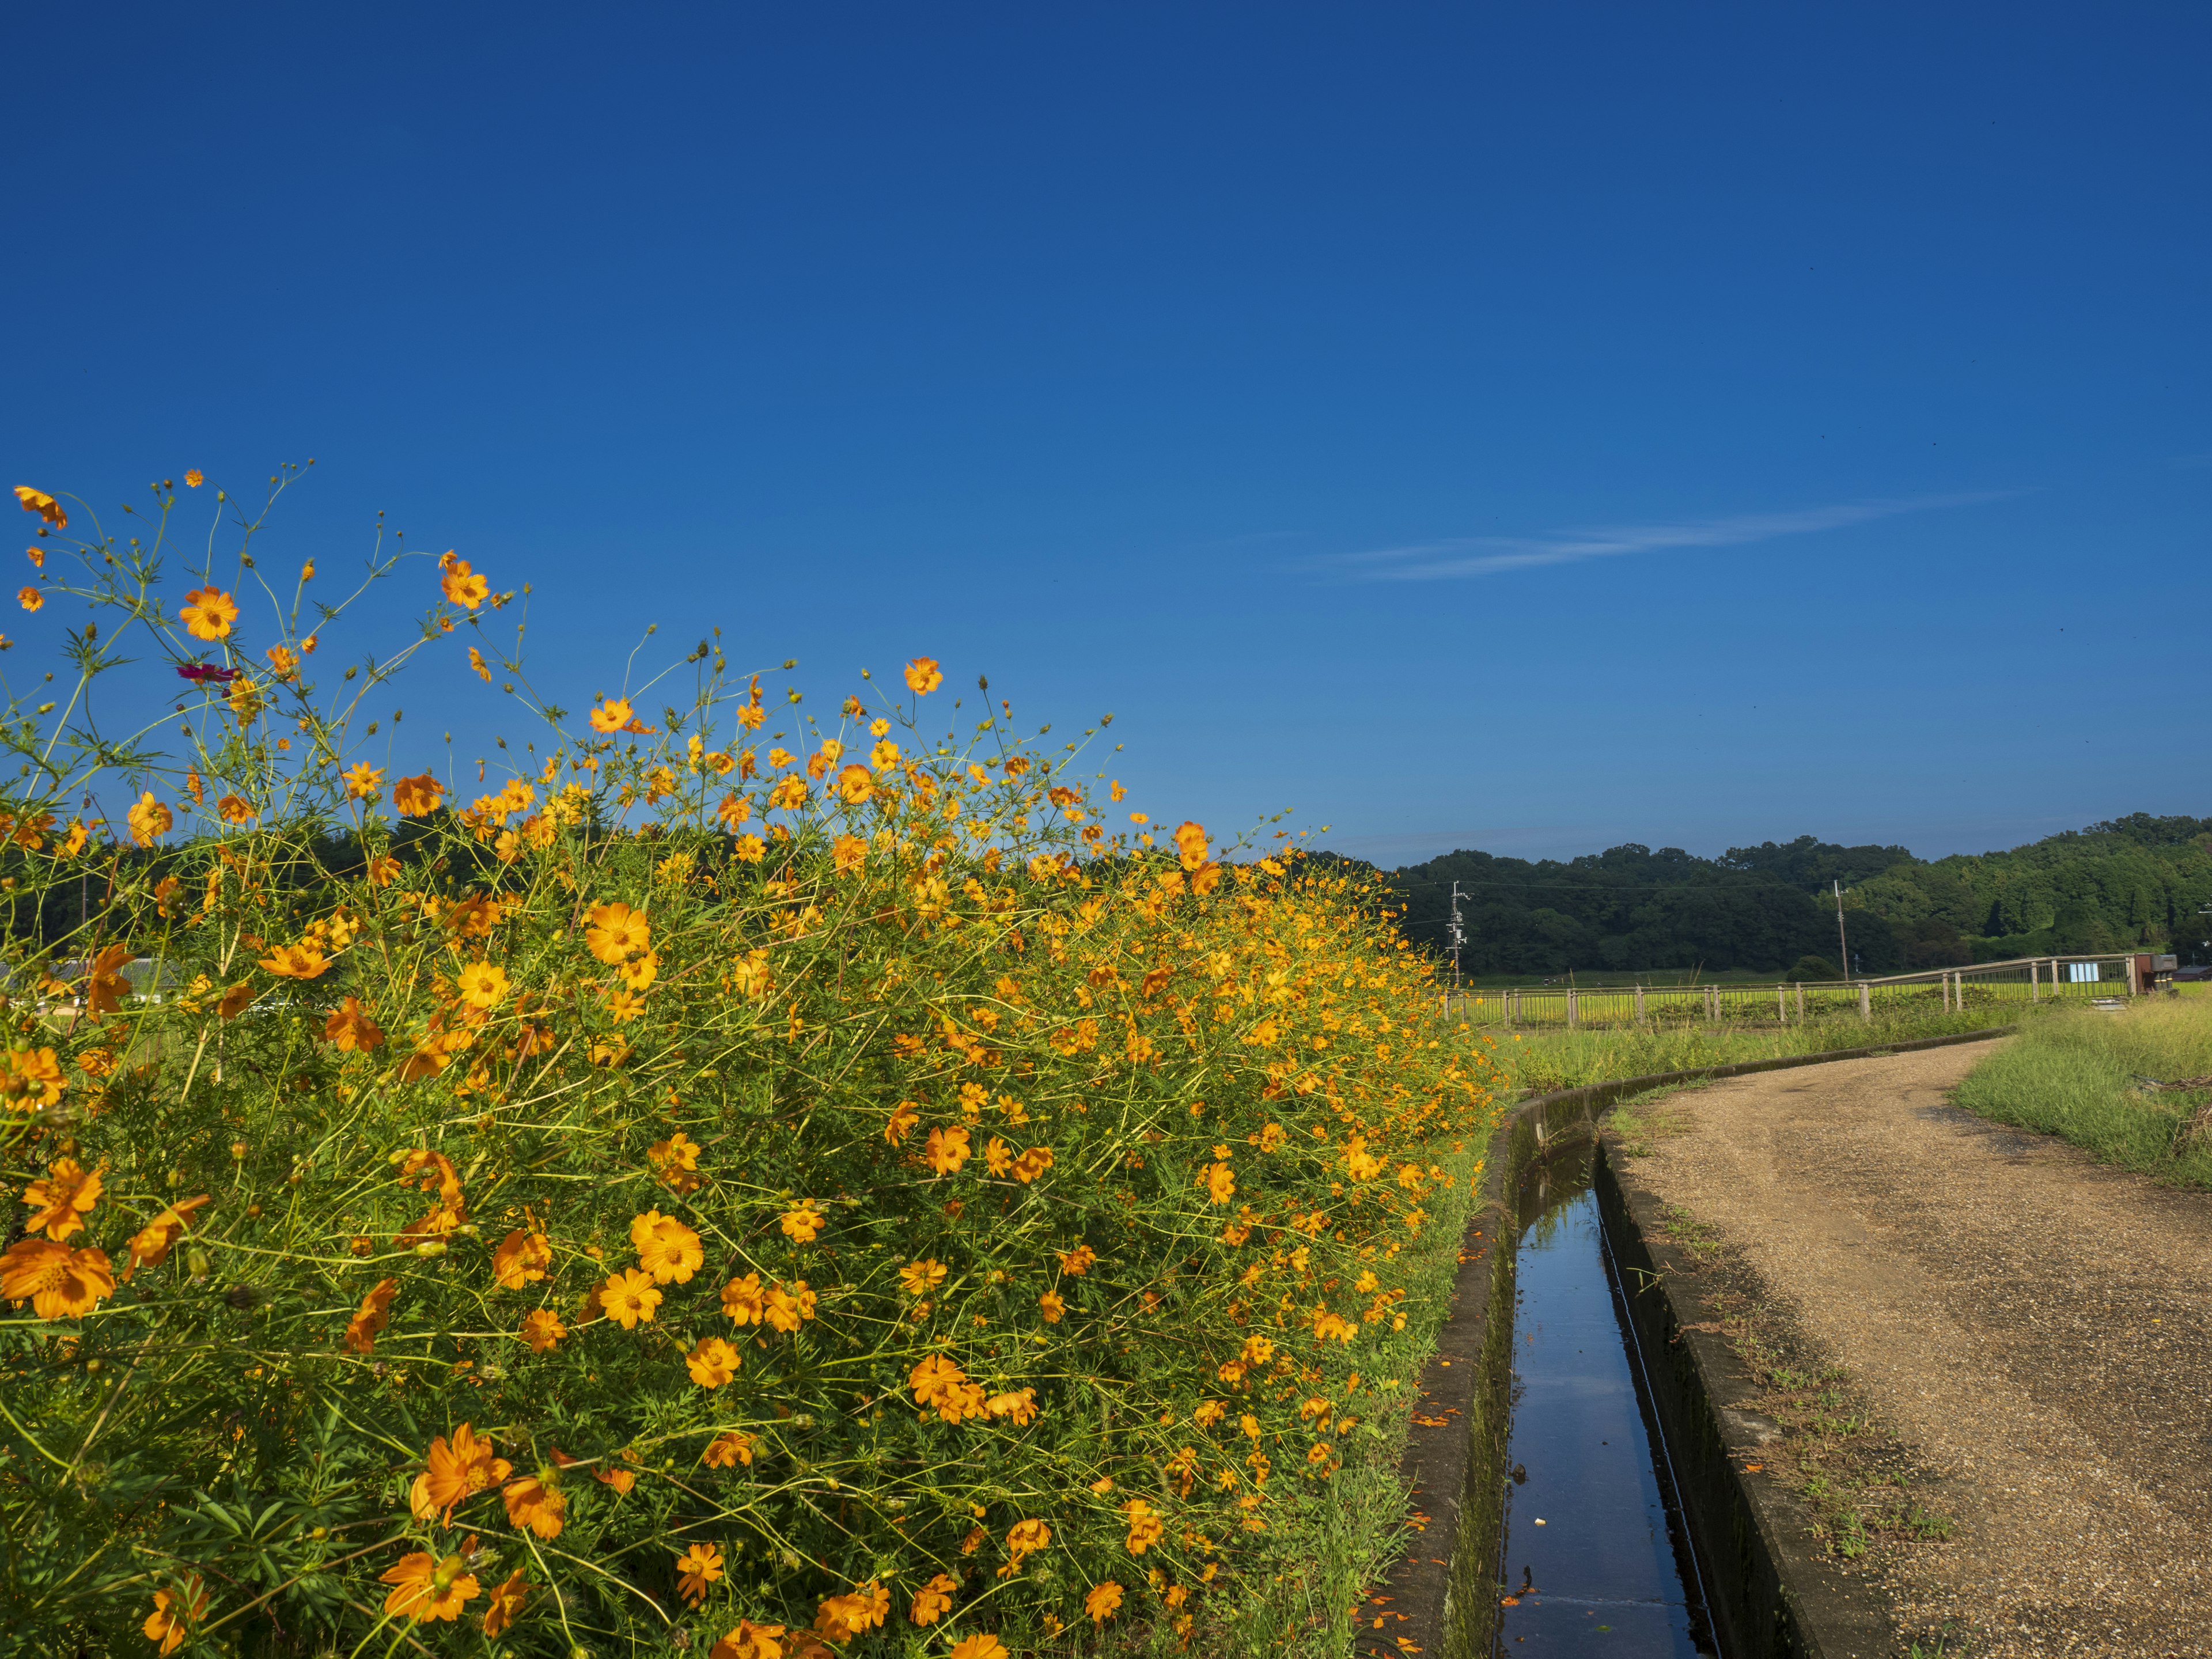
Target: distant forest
<point>2136,883</point>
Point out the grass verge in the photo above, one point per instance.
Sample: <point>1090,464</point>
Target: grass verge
<point>2075,1074</point>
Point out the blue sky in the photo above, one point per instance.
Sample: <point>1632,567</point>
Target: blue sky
<point>1523,428</point>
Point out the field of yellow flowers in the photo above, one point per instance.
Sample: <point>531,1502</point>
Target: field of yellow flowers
<point>737,1183</point>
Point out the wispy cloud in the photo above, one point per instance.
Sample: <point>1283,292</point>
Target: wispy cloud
<point>1489,555</point>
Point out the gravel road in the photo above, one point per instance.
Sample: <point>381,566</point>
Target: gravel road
<point>2037,1329</point>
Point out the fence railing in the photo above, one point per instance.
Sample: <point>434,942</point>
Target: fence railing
<point>1991,984</point>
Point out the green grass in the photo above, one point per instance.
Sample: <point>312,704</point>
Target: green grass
<point>1540,1061</point>
<point>2072,1075</point>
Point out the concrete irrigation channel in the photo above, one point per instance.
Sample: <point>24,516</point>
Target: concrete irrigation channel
<point>1583,1461</point>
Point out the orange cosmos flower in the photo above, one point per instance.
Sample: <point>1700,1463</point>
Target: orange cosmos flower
<point>541,1328</point>
<point>1020,1404</point>
<point>920,1278</point>
<point>350,1030</point>
<point>788,1306</point>
<point>417,796</point>
<point>506,1602</point>
<point>521,1258</point>
<point>697,1568</point>
<point>1077,1261</point>
<point>281,663</point>
<point>30,598</point>
<point>855,785</point>
<point>174,1611</point>
<point>296,961</point>
<point>60,1201</point>
<point>383,870</point>
<point>363,1328</point>
<point>801,1223</point>
<point>209,613</point>
<point>1032,1163</point>
<point>193,479</point>
<point>1144,1527</point>
<point>850,853</point>
<point>459,1470</point>
<point>616,933</point>
<point>532,1503</point>
<point>979,1647</point>
<point>712,1363</point>
<point>903,1117</point>
<point>483,985</point>
<point>932,1602</point>
<point>1102,1603</point>
<point>38,501</point>
<point>426,1588</point>
<point>611,716</point>
<point>1190,845</point>
<point>477,662</point>
<point>151,1244</point>
<point>789,794</point>
<point>946,1150</point>
<point>628,1295</point>
<point>1221,1184</point>
<point>461,585</point>
<point>1051,1307</point>
<point>33,1078</point>
<point>726,1449</point>
<point>998,1156</point>
<point>363,781</point>
<point>923,676</point>
<point>842,1618</point>
<point>148,819</point>
<point>751,1641</point>
<point>744,1300</point>
<point>59,1282</point>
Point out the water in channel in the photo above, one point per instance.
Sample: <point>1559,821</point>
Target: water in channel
<point>1593,1557</point>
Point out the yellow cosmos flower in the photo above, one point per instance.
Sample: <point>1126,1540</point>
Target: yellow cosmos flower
<point>175,1612</point>
<point>460,584</point>
<point>349,1030</point>
<point>855,785</point>
<point>483,985</point>
<point>923,676</point>
<point>850,853</point>
<point>148,819</point>
<point>541,1328</point>
<point>302,961</point>
<point>30,598</point>
<point>194,478</point>
<point>1144,1527</point>
<point>1190,845</point>
<point>209,613</point>
<point>611,716</point>
<point>615,932</point>
<point>38,501</point>
<point>802,1223</point>
<point>1052,1307</point>
<point>985,1646</point>
<point>363,781</point>
<point>521,1259</point>
<point>667,1248</point>
<point>629,1297</point>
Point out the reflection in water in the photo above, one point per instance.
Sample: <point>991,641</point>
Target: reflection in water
<point>1592,1557</point>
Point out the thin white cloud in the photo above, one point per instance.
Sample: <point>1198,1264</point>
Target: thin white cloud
<point>1489,555</point>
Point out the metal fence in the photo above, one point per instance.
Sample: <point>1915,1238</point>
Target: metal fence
<point>1987,984</point>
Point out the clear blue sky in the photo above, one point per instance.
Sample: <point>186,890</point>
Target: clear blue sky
<point>1515,427</point>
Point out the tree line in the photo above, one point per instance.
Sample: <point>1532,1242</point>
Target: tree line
<point>2136,883</point>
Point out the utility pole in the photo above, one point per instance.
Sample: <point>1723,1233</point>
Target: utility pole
<point>1842,944</point>
<point>1458,935</point>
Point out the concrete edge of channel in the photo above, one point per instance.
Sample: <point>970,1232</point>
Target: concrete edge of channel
<point>1441,1599</point>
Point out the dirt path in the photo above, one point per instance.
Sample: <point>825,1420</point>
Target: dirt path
<point>2036,1328</point>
